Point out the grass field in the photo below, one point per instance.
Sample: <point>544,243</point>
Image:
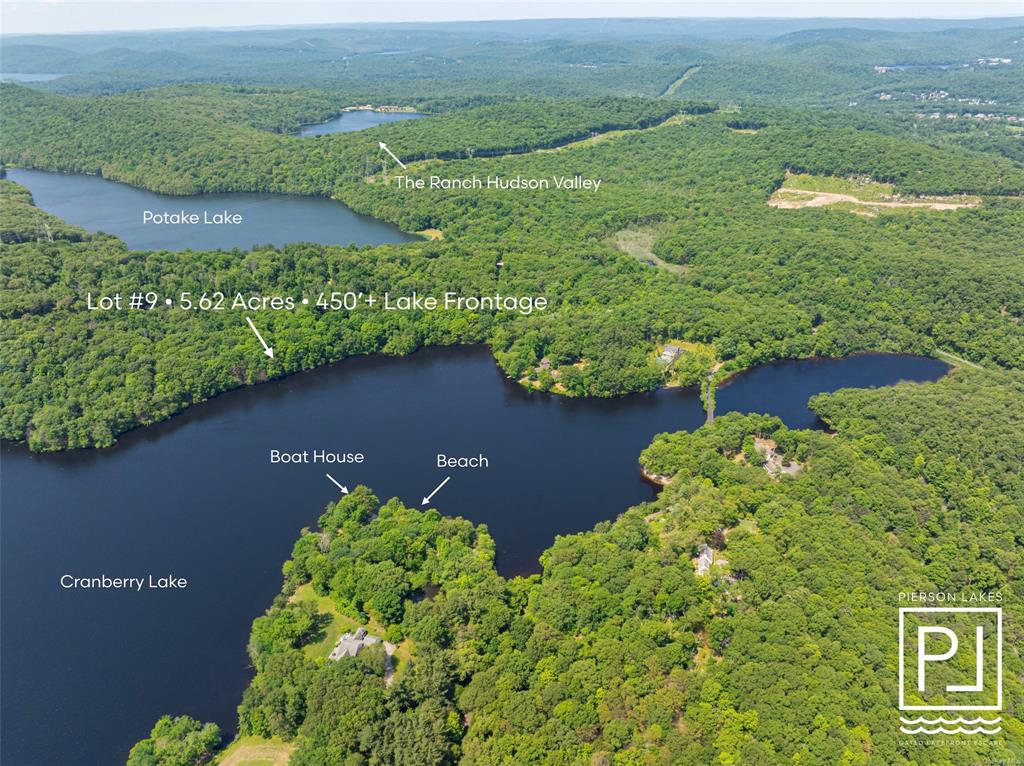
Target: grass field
<point>955,360</point>
<point>256,751</point>
<point>638,243</point>
<point>863,189</point>
<point>677,84</point>
<point>340,623</point>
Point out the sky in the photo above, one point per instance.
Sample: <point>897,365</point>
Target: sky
<point>65,16</point>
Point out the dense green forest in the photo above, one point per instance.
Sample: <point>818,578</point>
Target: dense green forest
<point>757,283</point>
<point>218,139</point>
<point>215,139</point>
<point>23,222</point>
<point>943,82</point>
<point>618,653</point>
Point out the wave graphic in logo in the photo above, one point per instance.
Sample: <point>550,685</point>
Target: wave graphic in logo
<point>962,725</point>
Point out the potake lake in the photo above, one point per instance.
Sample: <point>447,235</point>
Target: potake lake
<point>88,672</point>
<point>97,204</point>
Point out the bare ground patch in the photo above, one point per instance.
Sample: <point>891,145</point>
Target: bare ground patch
<point>858,195</point>
<point>795,199</point>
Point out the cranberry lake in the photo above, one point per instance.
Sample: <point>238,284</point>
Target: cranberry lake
<point>88,671</point>
<point>184,525</point>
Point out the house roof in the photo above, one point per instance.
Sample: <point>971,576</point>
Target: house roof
<point>705,558</point>
<point>350,644</point>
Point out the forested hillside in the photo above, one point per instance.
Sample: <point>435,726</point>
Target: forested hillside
<point>757,283</point>
<point>23,222</point>
<point>211,140</point>
<point>618,652</point>
<point>736,61</point>
<point>768,189</point>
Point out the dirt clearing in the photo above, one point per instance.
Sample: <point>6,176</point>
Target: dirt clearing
<point>858,195</point>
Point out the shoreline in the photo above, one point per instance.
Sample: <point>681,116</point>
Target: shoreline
<point>382,109</point>
<point>377,356</point>
<point>657,479</point>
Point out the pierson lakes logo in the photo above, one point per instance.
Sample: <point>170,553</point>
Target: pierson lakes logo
<point>950,665</point>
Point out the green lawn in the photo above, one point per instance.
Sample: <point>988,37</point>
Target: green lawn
<point>638,243</point>
<point>953,359</point>
<point>861,188</point>
<point>340,623</point>
<point>256,751</point>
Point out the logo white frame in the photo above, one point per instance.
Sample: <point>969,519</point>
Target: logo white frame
<point>999,656</point>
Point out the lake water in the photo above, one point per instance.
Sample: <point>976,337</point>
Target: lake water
<point>87,673</point>
<point>97,204</point>
<point>357,119</point>
<point>27,77</point>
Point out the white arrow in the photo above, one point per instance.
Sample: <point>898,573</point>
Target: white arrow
<point>384,146</point>
<point>427,498</point>
<point>266,349</point>
<point>342,487</point>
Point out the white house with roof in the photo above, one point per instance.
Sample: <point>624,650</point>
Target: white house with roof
<point>350,644</point>
<point>670,353</point>
<point>705,558</point>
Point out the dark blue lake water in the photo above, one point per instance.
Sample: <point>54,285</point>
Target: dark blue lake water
<point>97,204</point>
<point>87,673</point>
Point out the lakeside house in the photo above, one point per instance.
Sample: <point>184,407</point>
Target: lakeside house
<point>670,353</point>
<point>775,462</point>
<point>350,644</point>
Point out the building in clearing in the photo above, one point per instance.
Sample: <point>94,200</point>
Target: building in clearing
<point>350,644</point>
<point>705,557</point>
<point>670,353</point>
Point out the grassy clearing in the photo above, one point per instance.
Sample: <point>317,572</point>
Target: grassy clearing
<point>749,526</point>
<point>421,167</point>
<point>608,135</point>
<point>864,189</point>
<point>676,85</point>
<point>256,751</point>
<point>955,360</point>
<point>341,623</point>
<point>338,625</point>
<point>690,369</point>
<point>638,243</point>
